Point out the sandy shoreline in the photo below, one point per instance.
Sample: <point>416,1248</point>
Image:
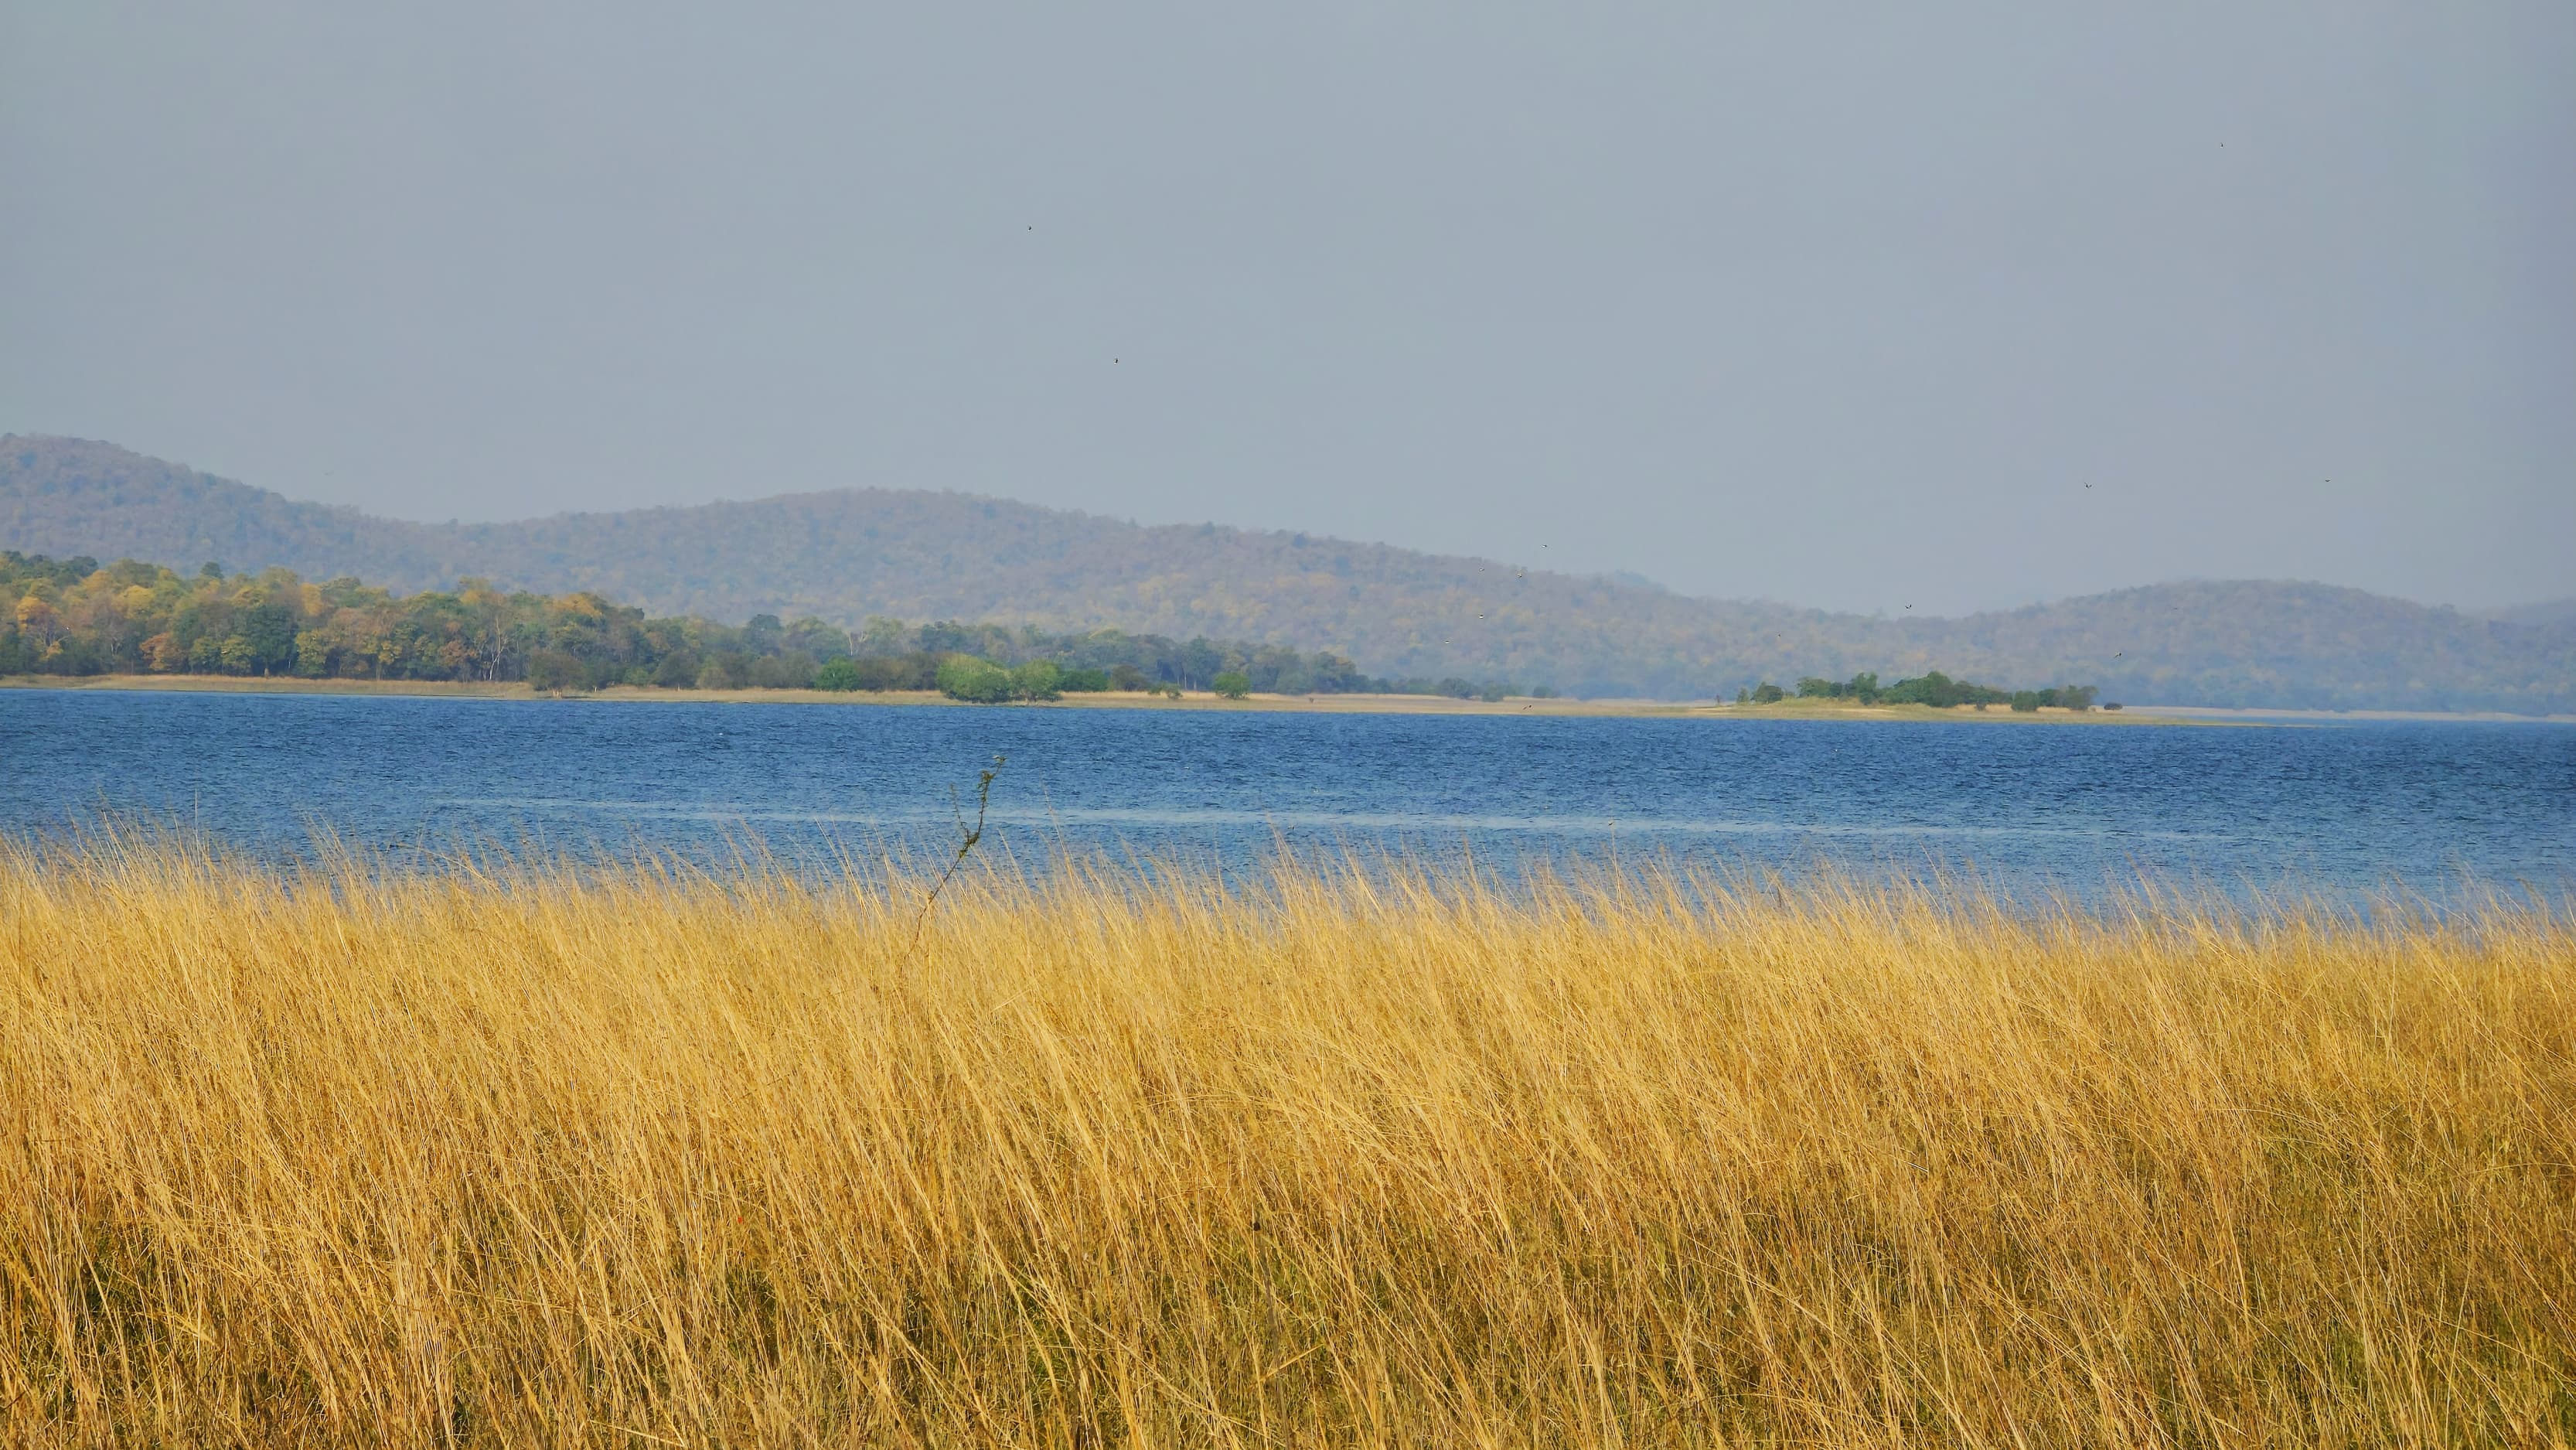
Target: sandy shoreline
<point>1791,709</point>
<point>1196,700</point>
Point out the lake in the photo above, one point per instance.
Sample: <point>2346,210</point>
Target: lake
<point>2344,808</point>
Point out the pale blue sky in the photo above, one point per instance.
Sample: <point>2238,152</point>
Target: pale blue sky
<point>1841,305</point>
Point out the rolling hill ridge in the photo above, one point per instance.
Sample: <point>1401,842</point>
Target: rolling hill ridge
<point>917,555</point>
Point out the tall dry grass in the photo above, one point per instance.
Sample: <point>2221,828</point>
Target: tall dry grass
<point>534,1159</point>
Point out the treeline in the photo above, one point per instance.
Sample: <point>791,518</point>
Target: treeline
<point>76,617</point>
<point>1931,688</point>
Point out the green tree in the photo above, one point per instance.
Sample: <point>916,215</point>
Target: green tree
<point>269,633</point>
<point>792,670</point>
<point>1934,688</point>
<point>1232,684</point>
<point>969,677</point>
<point>312,654</point>
<point>1202,660</point>
<point>1083,681</point>
<point>840,673</point>
<point>1036,680</point>
<point>555,670</point>
<point>1768,693</point>
<point>882,636</point>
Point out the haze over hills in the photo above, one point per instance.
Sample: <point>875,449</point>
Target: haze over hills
<point>920,555</point>
<point>2548,611</point>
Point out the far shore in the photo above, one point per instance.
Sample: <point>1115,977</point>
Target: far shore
<point>1353,704</point>
<point>1789,709</point>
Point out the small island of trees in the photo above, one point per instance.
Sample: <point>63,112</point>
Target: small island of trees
<point>1931,688</point>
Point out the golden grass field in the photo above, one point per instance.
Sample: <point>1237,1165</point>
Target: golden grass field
<point>526,1157</point>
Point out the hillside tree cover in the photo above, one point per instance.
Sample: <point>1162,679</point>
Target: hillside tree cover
<point>846,555</point>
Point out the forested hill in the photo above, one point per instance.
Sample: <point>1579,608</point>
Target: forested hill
<point>845,555</point>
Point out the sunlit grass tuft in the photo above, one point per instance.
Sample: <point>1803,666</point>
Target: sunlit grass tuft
<point>537,1157</point>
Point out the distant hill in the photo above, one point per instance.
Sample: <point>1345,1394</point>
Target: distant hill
<point>916,555</point>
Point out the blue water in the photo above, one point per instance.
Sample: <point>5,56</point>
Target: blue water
<point>2355,808</point>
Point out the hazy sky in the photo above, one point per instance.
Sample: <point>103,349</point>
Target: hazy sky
<point>1836,304</point>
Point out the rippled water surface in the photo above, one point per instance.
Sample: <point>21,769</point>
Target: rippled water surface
<point>2359,807</point>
